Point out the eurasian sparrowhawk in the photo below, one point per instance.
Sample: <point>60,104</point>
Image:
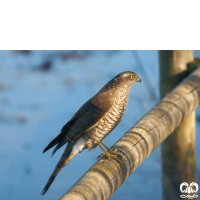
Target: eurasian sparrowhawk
<point>93,122</point>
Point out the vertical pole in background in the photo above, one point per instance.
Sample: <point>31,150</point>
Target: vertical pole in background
<point>178,150</point>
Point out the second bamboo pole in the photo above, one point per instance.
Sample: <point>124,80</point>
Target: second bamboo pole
<point>178,150</point>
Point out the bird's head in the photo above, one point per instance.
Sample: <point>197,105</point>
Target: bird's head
<point>124,80</point>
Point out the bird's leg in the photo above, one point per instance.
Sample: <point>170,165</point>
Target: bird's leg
<point>105,154</point>
<point>110,154</point>
<point>113,152</point>
<point>109,150</point>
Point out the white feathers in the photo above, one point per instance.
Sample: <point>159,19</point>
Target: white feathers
<point>77,148</point>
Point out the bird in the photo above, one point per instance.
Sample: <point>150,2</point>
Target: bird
<point>93,122</point>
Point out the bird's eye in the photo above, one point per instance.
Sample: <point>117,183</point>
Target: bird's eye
<point>132,76</point>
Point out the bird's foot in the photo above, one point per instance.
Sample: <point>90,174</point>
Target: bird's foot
<point>109,156</point>
<point>112,154</point>
<point>115,153</point>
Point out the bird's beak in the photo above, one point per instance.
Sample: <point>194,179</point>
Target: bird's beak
<point>139,79</point>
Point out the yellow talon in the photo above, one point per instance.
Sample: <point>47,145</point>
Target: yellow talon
<point>109,156</point>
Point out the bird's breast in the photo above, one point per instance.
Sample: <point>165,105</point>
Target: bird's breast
<point>107,123</point>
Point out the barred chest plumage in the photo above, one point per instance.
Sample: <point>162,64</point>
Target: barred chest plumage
<point>105,125</point>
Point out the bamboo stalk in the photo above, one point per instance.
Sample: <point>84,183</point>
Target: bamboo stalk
<point>178,150</point>
<point>106,176</point>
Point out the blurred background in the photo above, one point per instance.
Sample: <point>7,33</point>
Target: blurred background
<point>41,90</point>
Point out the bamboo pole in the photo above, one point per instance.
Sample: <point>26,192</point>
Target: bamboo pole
<point>178,150</point>
<point>106,176</point>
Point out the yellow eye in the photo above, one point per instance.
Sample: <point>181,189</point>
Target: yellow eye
<point>132,76</point>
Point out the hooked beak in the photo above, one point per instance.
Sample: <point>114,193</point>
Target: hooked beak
<point>139,79</point>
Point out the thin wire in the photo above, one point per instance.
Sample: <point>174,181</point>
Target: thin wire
<point>144,75</point>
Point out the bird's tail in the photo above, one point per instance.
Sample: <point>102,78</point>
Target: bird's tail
<point>64,160</point>
<point>60,139</point>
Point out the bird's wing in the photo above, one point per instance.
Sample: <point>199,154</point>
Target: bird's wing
<point>85,118</point>
<point>59,139</point>
<point>89,114</point>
